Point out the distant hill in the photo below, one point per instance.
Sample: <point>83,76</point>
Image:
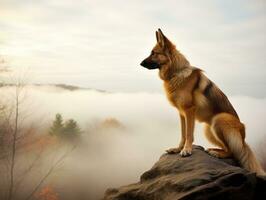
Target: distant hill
<point>62,86</point>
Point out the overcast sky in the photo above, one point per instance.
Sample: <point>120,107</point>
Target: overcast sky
<point>99,44</point>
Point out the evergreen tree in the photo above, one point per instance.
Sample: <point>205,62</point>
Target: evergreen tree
<point>68,130</point>
<point>58,126</point>
<point>71,129</point>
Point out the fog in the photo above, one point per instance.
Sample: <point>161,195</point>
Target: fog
<point>113,156</point>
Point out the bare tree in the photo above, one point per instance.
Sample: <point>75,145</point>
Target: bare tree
<point>15,132</point>
<point>18,90</point>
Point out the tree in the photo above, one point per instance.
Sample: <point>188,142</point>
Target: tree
<point>58,126</point>
<point>71,129</point>
<point>14,133</point>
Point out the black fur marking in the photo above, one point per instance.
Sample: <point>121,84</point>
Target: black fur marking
<point>220,102</point>
<point>196,86</point>
<point>207,89</point>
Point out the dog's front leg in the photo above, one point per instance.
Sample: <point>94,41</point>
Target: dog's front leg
<point>183,137</point>
<point>190,123</point>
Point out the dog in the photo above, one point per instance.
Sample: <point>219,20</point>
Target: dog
<point>197,98</point>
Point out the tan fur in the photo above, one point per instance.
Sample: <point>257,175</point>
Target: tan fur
<point>198,98</point>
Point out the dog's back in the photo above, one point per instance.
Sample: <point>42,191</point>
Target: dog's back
<point>216,101</point>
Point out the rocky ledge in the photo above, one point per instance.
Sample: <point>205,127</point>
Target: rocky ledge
<point>199,176</point>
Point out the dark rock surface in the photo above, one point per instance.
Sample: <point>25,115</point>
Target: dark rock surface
<point>199,176</point>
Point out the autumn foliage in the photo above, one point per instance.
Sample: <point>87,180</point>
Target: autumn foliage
<point>47,193</point>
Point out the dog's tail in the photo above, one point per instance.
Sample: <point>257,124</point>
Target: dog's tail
<point>242,152</point>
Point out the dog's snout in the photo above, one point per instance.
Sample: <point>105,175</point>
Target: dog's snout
<point>149,64</point>
<point>143,63</point>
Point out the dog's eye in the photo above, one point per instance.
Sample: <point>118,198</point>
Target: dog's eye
<point>153,53</point>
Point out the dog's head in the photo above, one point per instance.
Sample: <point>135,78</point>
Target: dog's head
<point>160,54</point>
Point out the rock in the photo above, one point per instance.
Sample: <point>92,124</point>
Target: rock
<point>199,176</point>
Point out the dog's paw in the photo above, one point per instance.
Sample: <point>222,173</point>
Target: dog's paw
<point>173,150</point>
<point>213,153</point>
<point>186,151</point>
<point>218,153</point>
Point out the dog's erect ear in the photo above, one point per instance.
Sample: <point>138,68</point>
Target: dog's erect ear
<point>160,31</point>
<point>157,37</point>
<point>160,38</point>
<point>163,41</point>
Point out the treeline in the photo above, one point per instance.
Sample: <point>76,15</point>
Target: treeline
<point>68,130</point>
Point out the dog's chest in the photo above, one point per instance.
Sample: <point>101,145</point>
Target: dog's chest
<point>178,96</point>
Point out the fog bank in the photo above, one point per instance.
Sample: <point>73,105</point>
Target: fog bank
<point>110,157</point>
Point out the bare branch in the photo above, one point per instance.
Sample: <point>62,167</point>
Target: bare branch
<point>28,170</point>
<point>49,172</point>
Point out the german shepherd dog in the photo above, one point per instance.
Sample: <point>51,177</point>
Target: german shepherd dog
<point>198,98</point>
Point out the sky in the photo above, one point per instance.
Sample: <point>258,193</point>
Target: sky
<point>99,44</point>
